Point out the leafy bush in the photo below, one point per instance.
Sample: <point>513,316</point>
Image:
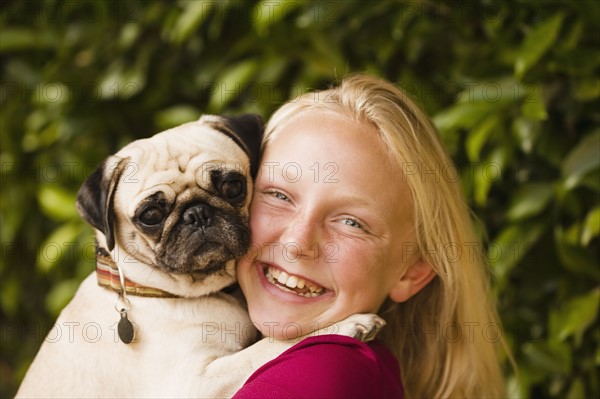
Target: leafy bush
<point>513,88</point>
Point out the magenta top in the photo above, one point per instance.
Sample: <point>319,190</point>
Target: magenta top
<point>327,366</point>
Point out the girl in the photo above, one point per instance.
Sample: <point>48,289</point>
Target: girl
<point>354,211</point>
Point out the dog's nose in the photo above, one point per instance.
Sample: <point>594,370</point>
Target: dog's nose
<point>198,216</point>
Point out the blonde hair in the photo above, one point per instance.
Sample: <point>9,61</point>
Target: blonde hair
<point>442,336</point>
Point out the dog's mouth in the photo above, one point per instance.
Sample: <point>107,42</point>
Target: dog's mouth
<point>188,250</point>
<point>210,247</point>
<point>216,266</point>
<point>209,258</point>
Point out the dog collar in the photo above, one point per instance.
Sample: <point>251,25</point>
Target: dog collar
<point>109,277</point>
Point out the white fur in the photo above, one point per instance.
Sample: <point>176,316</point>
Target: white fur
<point>175,340</point>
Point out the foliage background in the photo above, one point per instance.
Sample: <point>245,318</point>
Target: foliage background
<point>513,87</point>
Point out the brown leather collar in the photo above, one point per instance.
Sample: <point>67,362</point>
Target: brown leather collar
<point>108,276</point>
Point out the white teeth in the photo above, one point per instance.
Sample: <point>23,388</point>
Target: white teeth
<point>292,282</point>
<point>283,277</point>
<point>315,289</point>
<point>287,281</point>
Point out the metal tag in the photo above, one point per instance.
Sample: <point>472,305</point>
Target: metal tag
<point>125,328</point>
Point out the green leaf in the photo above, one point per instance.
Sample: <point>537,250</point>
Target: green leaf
<point>587,89</point>
<point>574,317</point>
<point>56,202</point>
<point>533,105</point>
<point>194,13</point>
<point>60,243</point>
<point>549,358</point>
<point>527,132</point>
<point>60,295</point>
<point>511,245</point>
<point>481,185</point>
<point>232,85</point>
<point>577,390</point>
<point>267,12</point>
<point>176,115</point>
<point>120,82</point>
<point>591,226</point>
<point>582,159</point>
<point>530,200</point>
<point>575,258</point>
<point>26,39</point>
<point>537,42</point>
<point>486,173</point>
<point>591,181</point>
<point>479,135</point>
<point>504,90</point>
<point>463,115</point>
<point>10,295</point>
<point>52,93</point>
<point>572,39</point>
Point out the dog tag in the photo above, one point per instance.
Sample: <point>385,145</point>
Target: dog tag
<point>125,328</point>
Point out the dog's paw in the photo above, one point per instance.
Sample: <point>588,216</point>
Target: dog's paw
<point>363,327</point>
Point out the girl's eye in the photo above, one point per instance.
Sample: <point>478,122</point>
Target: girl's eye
<point>353,223</point>
<point>279,195</point>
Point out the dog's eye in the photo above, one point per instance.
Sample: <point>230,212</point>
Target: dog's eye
<point>233,188</point>
<point>152,216</point>
<point>229,185</point>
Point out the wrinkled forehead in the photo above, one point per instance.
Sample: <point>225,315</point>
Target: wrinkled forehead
<point>186,147</point>
<point>181,157</point>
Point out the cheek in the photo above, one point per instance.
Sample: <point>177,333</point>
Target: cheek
<point>258,227</point>
<point>263,224</point>
<point>366,270</point>
<point>242,268</point>
<point>356,264</point>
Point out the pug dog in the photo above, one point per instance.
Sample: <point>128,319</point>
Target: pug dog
<point>159,316</point>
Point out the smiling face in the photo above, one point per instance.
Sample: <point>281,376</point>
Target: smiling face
<point>331,221</point>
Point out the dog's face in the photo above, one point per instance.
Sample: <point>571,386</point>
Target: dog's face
<point>178,201</point>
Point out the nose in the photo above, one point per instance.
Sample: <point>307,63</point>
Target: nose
<point>198,216</point>
<point>301,239</point>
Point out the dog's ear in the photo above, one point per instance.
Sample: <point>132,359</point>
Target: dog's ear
<point>95,199</point>
<point>247,131</point>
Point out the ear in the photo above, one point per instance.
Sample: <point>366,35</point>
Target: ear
<point>247,132</point>
<point>417,276</point>
<point>95,199</point>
